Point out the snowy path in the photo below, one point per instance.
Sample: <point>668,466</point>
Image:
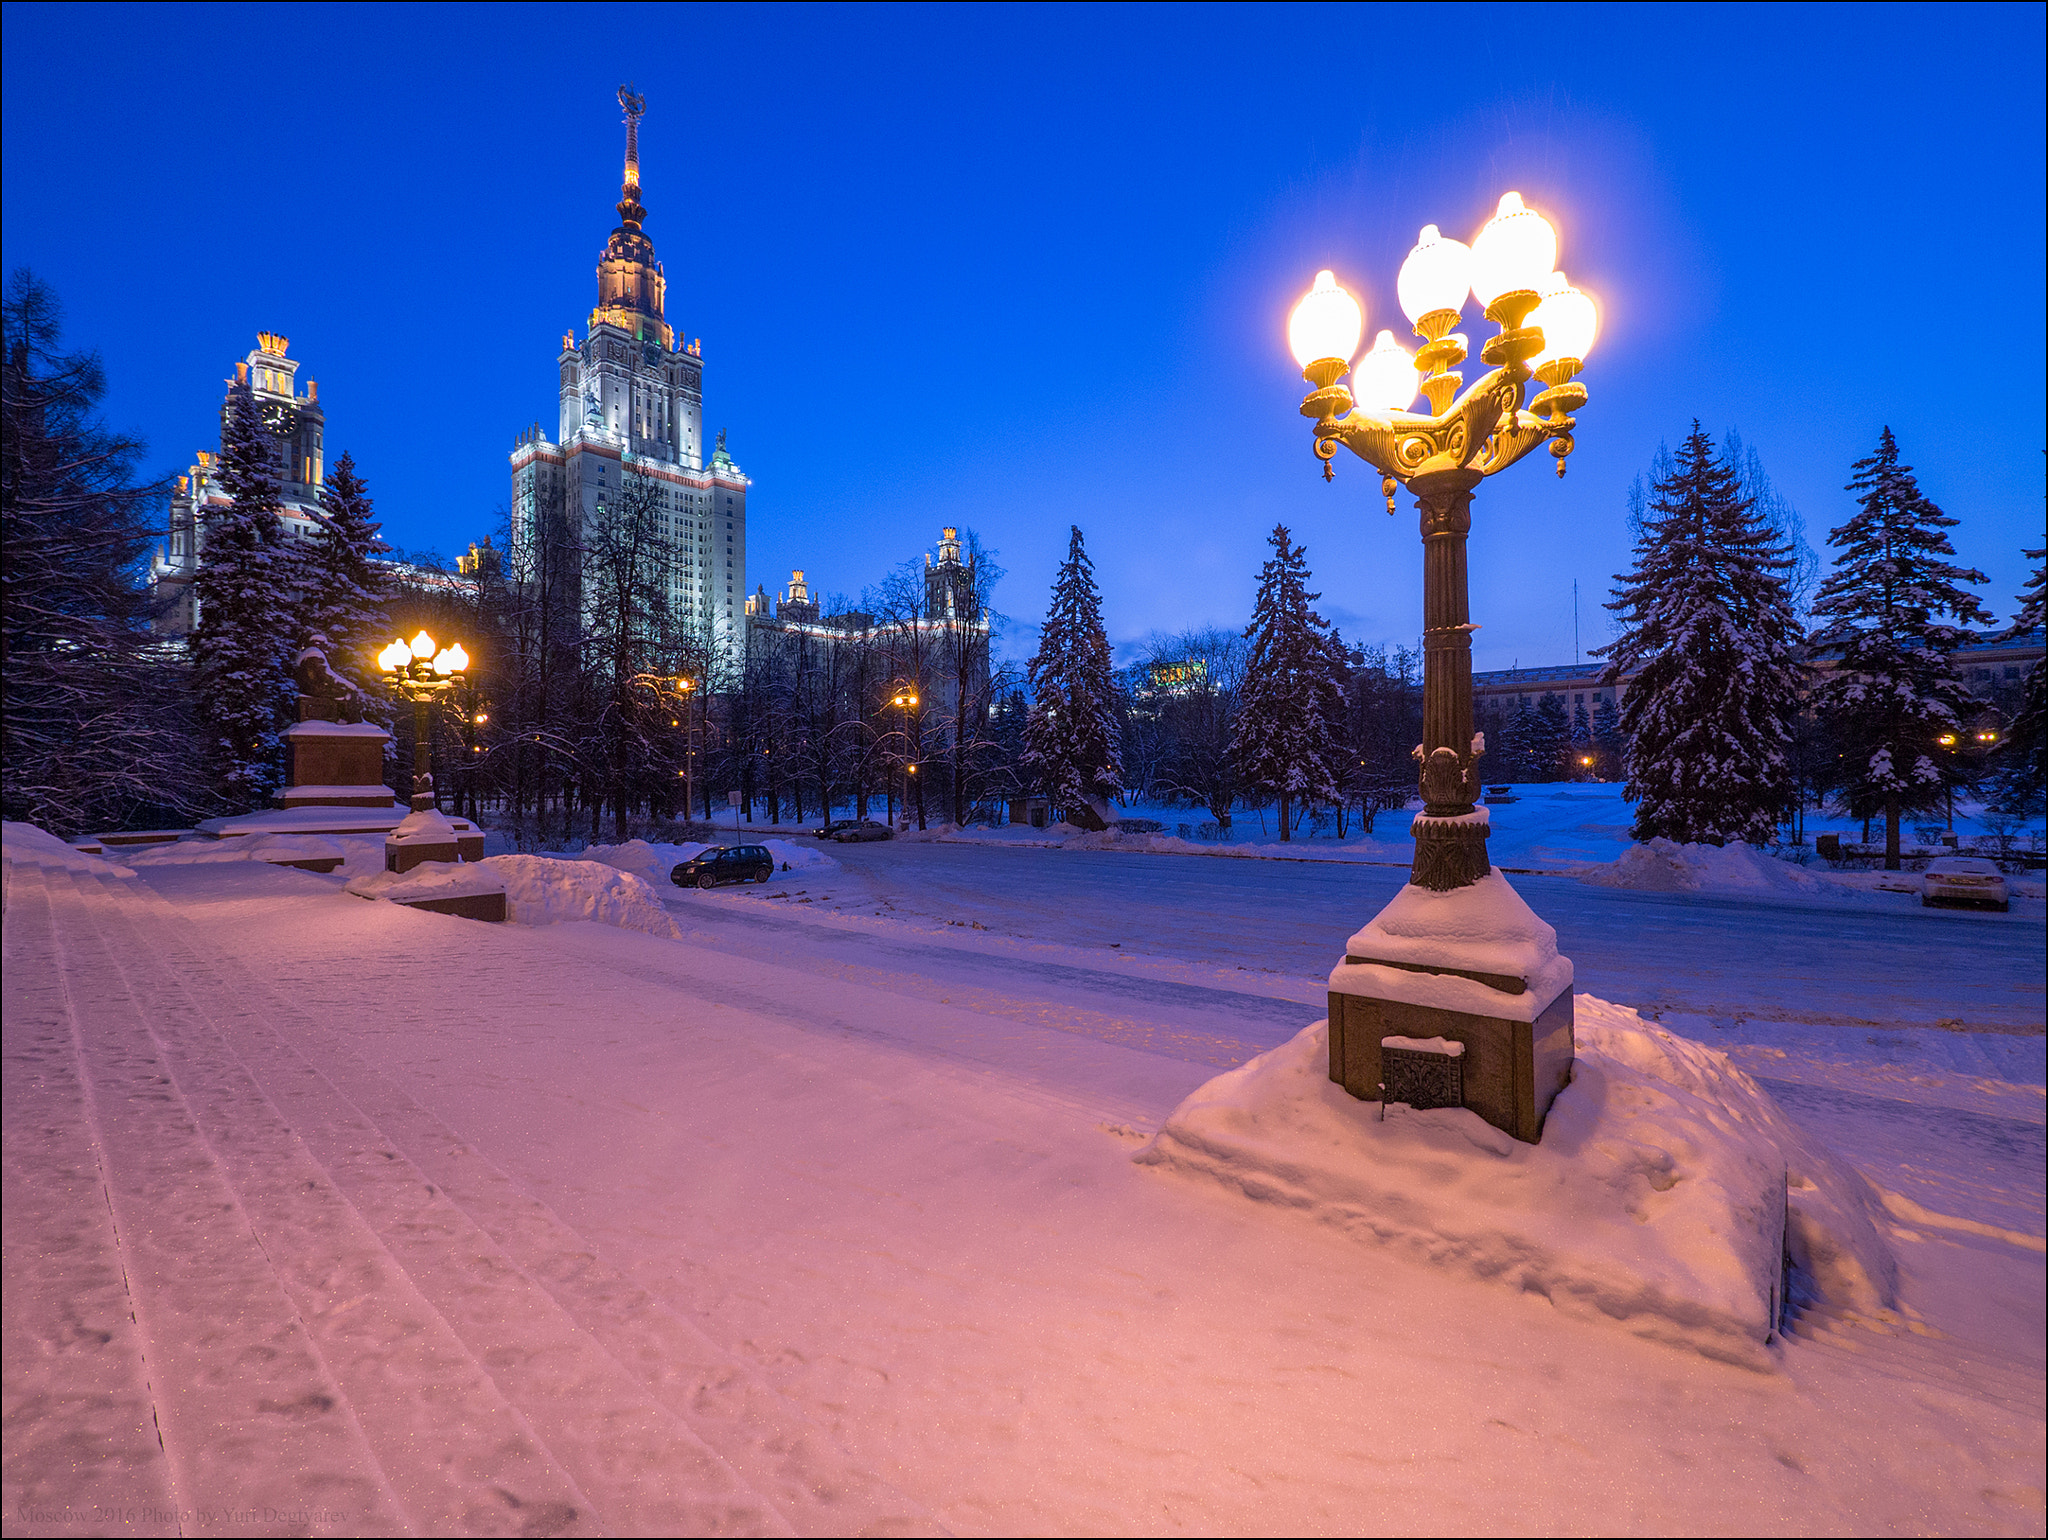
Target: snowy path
<point>832,1226</point>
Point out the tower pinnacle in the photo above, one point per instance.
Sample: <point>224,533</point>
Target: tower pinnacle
<point>630,211</point>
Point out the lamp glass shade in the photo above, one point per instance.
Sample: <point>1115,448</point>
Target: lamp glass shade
<point>423,647</point>
<point>1328,322</point>
<point>1385,379</point>
<point>458,657</point>
<point>1569,318</point>
<point>1514,251</point>
<point>1435,276</point>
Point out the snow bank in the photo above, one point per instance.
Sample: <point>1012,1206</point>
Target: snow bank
<point>255,847</point>
<point>430,879</point>
<point>1661,866</point>
<point>652,862</point>
<point>1664,1196</point>
<point>649,861</point>
<point>26,842</point>
<point>546,890</point>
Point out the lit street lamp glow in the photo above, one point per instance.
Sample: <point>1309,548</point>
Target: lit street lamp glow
<point>420,671</point>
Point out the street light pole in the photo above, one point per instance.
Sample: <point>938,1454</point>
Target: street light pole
<point>1458,932</point>
<point>420,672</point>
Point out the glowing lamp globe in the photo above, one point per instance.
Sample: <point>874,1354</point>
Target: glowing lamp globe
<point>423,647</point>
<point>1328,323</point>
<point>1569,318</point>
<point>394,657</point>
<point>1515,250</point>
<point>1436,275</point>
<point>1385,379</point>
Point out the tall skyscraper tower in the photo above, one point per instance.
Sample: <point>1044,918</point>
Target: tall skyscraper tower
<point>632,413</point>
<point>300,425</point>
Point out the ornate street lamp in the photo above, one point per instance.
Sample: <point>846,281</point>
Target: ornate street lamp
<point>420,671</point>
<point>1546,328</point>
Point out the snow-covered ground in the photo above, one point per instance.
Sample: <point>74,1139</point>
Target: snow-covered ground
<point>824,1217</point>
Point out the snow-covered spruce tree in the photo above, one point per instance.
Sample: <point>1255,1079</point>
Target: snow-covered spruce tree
<point>1707,644</point>
<point>2023,778</point>
<point>249,603</point>
<point>1293,692</point>
<point>1892,693</point>
<point>97,721</point>
<point>1549,742</point>
<point>1073,741</point>
<point>345,593</point>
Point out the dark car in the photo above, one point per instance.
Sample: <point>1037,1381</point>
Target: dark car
<point>848,830</point>
<point>731,863</point>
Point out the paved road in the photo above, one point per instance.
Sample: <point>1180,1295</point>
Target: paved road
<point>1893,963</point>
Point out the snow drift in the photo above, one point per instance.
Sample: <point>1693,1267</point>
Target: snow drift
<point>1666,1195</point>
<point>539,890</point>
<point>1662,866</point>
<point>652,862</point>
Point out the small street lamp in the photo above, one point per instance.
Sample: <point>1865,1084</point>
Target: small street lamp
<point>903,700</point>
<point>419,671</point>
<point>1519,1040</point>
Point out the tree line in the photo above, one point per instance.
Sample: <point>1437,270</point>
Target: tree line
<point>1753,686</point>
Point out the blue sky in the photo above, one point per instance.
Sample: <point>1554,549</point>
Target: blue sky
<point>1016,268</point>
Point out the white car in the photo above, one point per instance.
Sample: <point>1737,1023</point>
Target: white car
<point>1963,880</point>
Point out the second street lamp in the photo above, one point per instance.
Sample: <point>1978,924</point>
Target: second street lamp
<point>419,671</point>
<point>1458,920</point>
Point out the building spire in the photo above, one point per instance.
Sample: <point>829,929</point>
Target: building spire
<point>630,210</point>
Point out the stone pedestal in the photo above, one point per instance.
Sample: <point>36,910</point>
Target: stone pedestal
<point>1473,966</point>
<point>337,764</point>
<point>423,837</point>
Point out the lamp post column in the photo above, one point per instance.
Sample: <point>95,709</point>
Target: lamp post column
<point>422,766</point>
<point>1450,835</point>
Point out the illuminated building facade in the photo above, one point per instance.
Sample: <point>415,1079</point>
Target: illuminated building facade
<point>632,415</point>
<point>301,426</point>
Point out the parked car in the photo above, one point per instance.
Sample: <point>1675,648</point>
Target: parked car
<point>1499,794</point>
<point>851,830</point>
<point>1964,880</point>
<point>730,863</point>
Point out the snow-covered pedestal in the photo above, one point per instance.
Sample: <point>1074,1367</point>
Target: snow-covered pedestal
<point>1472,966</point>
<point>419,838</point>
<point>440,887</point>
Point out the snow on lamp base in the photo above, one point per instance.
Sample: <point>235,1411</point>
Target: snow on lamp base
<point>1473,966</point>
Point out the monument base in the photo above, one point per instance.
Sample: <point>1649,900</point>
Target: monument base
<point>1513,1070</point>
<point>1473,966</point>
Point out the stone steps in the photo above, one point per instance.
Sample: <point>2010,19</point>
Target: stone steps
<point>442,1353</point>
<point>770,1443</point>
<point>248,1411</point>
<point>81,1437</point>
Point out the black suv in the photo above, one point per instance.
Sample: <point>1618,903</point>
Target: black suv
<point>734,863</point>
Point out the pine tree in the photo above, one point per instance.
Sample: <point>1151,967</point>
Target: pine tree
<point>247,589</point>
<point>1549,744</point>
<point>2023,784</point>
<point>1893,693</point>
<point>345,593</point>
<point>97,720</point>
<point>1293,693</point>
<point>1610,745</point>
<point>1708,634</point>
<point>1073,740</point>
